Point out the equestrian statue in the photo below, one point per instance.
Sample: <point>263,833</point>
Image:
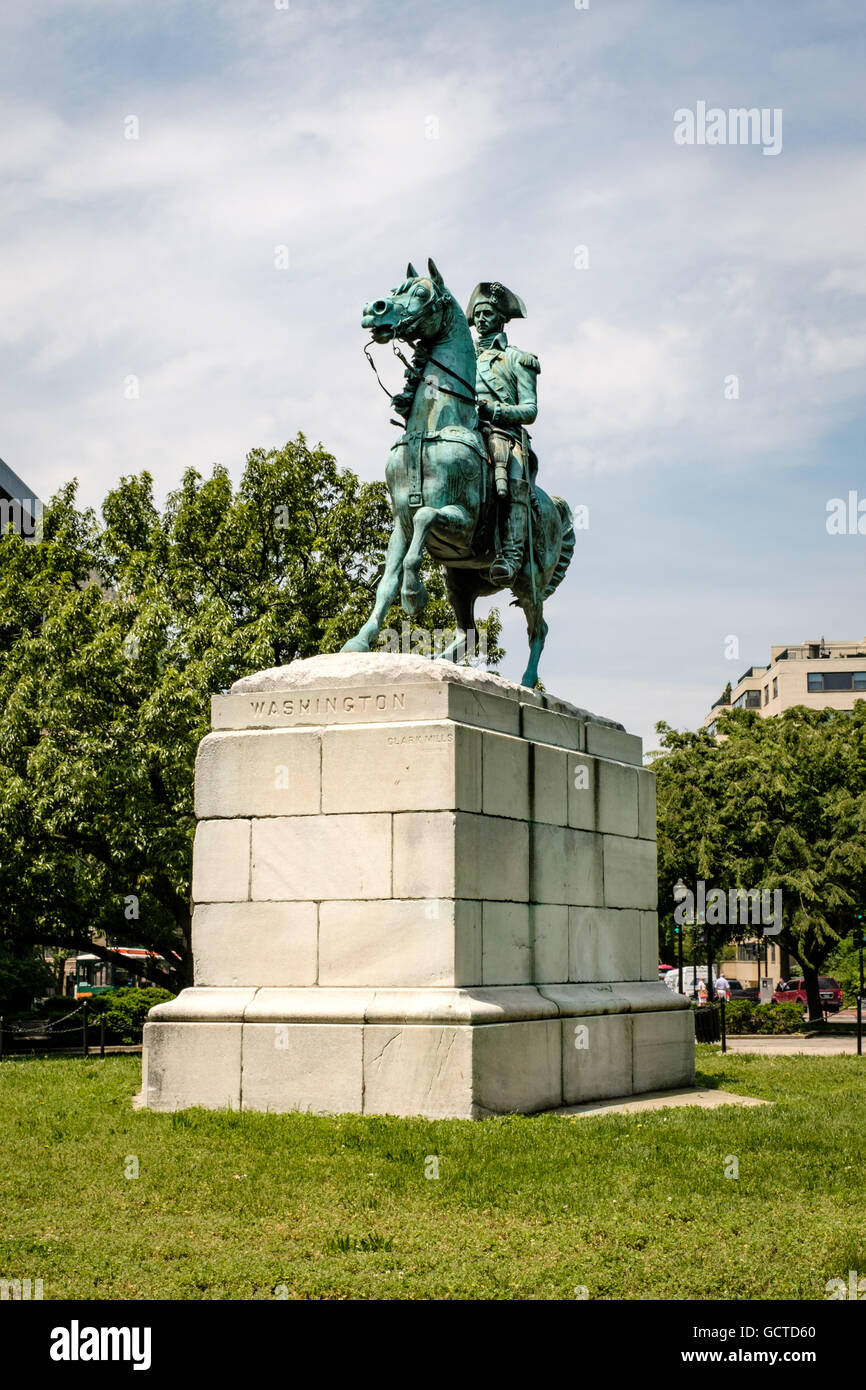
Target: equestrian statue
<point>462,474</point>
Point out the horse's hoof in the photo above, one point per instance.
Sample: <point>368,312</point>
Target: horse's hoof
<point>414,600</point>
<point>355,644</point>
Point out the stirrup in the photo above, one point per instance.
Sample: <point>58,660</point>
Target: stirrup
<point>504,570</point>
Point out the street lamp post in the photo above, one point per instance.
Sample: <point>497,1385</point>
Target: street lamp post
<point>711,994</point>
<point>860,999</point>
<point>680,893</point>
<point>859,943</point>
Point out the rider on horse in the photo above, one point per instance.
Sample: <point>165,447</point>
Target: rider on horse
<point>436,472</point>
<point>506,394</point>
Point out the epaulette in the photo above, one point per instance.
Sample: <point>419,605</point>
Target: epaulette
<point>528,359</point>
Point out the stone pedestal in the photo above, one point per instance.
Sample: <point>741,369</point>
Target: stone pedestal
<point>419,890</point>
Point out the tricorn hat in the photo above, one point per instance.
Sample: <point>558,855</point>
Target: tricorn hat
<point>504,301</point>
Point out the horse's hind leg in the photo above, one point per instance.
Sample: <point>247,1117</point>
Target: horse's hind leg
<point>386,592</point>
<point>537,631</point>
<point>462,587</point>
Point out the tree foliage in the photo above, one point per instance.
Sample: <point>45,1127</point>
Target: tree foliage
<point>776,803</point>
<point>114,634</point>
<point>23,974</point>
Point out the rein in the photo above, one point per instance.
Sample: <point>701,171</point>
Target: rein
<point>388,393</point>
<point>442,367</point>
<point>446,390</point>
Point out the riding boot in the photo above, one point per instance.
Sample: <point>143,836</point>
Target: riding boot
<point>509,561</point>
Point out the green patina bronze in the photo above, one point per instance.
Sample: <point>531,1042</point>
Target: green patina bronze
<point>462,474</point>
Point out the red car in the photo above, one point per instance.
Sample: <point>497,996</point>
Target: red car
<point>794,992</point>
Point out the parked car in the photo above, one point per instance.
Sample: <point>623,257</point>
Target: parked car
<point>738,993</point>
<point>794,992</point>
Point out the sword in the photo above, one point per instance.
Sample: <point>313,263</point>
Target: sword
<point>525,442</point>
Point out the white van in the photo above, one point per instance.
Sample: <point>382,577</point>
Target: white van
<point>672,979</point>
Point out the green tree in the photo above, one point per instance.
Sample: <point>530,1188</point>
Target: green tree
<point>114,634</point>
<point>777,803</point>
<point>23,976</point>
<point>843,964</point>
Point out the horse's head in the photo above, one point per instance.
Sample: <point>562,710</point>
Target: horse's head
<point>415,310</point>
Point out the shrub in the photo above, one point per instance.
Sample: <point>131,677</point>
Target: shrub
<point>779,1018</point>
<point>125,1011</point>
<point>739,1016</point>
<point>744,1016</point>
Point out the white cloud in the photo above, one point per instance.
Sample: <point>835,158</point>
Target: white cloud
<point>307,128</point>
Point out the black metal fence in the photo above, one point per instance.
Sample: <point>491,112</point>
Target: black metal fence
<point>35,1037</point>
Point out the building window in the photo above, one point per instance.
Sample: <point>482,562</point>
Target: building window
<point>818,681</point>
<point>766,694</point>
<point>750,699</point>
<point>749,950</point>
<point>775,687</point>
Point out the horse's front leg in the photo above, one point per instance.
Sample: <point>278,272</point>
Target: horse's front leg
<point>386,592</point>
<point>452,521</point>
<point>414,595</point>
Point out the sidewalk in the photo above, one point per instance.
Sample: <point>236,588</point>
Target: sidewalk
<point>658,1100</point>
<point>780,1045</point>
<point>111,1049</point>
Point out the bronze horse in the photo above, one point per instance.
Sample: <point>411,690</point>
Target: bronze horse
<point>438,477</point>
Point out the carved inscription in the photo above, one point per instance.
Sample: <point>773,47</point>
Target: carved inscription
<point>348,704</point>
<point>424,740</point>
<point>296,706</point>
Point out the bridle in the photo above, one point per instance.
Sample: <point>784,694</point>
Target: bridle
<point>404,330</point>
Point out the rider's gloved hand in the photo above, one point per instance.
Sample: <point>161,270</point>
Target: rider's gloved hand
<point>402,402</point>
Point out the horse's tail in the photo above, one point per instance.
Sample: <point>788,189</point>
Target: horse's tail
<point>566,549</point>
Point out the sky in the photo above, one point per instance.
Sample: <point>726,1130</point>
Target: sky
<point>199,197</point>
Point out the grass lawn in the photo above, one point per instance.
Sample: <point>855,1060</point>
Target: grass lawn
<point>236,1205</point>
